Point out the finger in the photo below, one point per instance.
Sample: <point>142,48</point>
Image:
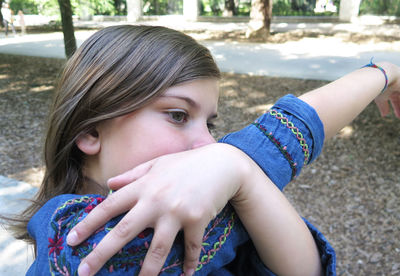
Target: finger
<point>193,242</point>
<point>115,204</point>
<point>383,106</point>
<point>126,230</point>
<point>121,180</point>
<point>395,101</point>
<point>160,247</point>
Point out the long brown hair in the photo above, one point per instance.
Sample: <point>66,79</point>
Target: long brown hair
<point>116,71</point>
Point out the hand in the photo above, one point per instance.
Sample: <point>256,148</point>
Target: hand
<point>391,94</point>
<point>179,191</point>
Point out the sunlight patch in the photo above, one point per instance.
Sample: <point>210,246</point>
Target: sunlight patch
<point>41,88</point>
<point>346,132</point>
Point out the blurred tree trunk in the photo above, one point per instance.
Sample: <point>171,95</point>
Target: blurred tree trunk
<point>67,27</point>
<point>156,7</point>
<point>230,8</point>
<point>260,19</point>
<point>1,15</point>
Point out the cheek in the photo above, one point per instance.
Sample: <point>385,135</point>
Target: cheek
<point>165,143</point>
<point>150,145</point>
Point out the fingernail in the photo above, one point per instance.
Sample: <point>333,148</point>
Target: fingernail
<point>72,238</point>
<point>189,272</point>
<point>84,270</point>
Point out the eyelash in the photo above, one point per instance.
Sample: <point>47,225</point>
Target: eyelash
<point>175,112</point>
<point>171,114</point>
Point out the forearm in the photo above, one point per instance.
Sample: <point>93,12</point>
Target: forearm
<point>339,102</point>
<point>283,241</point>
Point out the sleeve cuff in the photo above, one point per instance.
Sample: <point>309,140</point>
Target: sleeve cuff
<point>326,251</point>
<point>283,140</point>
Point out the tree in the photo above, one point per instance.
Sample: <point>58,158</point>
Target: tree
<point>1,15</point>
<point>260,19</point>
<point>67,27</point>
<point>230,8</point>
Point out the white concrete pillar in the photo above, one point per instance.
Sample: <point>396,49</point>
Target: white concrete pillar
<point>84,12</point>
<point>190,10</point>
<point>134,10</point>
<point>349,10</point>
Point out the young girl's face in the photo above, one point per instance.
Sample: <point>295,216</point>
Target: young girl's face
<point>176,121</point>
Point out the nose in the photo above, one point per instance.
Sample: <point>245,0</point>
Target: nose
<point>202,139</point>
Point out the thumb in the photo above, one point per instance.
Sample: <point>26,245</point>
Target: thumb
<point>121,180</point>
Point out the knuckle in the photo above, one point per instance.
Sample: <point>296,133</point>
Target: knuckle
<point>95,259</point>
<point>82,228</point>
<point>109,203</point>
<point>191,250</point>
<point>122,229</point>
<point>194,216</point>
<point>158,252</point>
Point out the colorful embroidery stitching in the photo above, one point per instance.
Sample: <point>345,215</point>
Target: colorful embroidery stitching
<point>282,149</point>
<point>294,130</point>
<point>217,245</point>
<point>129,257</point>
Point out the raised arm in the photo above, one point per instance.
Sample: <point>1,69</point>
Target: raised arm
<point>336,104</point>
<point>218,173</point>
<point>339,102</point>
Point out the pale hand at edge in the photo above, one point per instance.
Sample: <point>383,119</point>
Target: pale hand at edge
<point>178,191</point>
<point>392,93</point>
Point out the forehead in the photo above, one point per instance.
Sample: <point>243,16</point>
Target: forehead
<point>193,92</point>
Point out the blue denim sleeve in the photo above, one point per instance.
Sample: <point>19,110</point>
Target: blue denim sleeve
<point>326,251</point>
<point>52,223</point>
<point>283,140</point>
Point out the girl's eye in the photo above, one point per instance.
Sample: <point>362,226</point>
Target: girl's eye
<point>178,116</point>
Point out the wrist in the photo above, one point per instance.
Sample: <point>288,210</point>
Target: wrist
<point>241,167</point>
<point>392,71</point>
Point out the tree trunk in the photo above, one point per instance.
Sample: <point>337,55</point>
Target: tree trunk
<point>260,19</point>
<point>67,27</point>
<point>1,15</point>
<point>230,8</point>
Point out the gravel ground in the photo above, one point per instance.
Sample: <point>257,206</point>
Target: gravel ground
<point>351,192</point>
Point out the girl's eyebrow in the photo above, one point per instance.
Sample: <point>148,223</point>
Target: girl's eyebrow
<point>186,99</point>
<point>191,102</point>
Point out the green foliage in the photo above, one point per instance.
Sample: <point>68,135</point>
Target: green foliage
<point>51,7</point>
<point>380,7</point>
<point>120,7</point>
<point>26,6</point>
<point>244,8</point>
<point>216,7</point>
<point>100,7</point>
<point>207,7</point>
<point>298,8</point>
<point>44,7</point>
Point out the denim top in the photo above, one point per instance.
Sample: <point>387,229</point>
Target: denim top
<point>281,142</point>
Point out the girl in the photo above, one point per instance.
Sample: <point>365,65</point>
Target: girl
<point>133,93</point>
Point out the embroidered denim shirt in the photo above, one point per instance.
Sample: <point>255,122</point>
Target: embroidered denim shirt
<point>281,141</point>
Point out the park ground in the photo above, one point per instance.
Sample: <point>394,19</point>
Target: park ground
<point>351,193</point>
